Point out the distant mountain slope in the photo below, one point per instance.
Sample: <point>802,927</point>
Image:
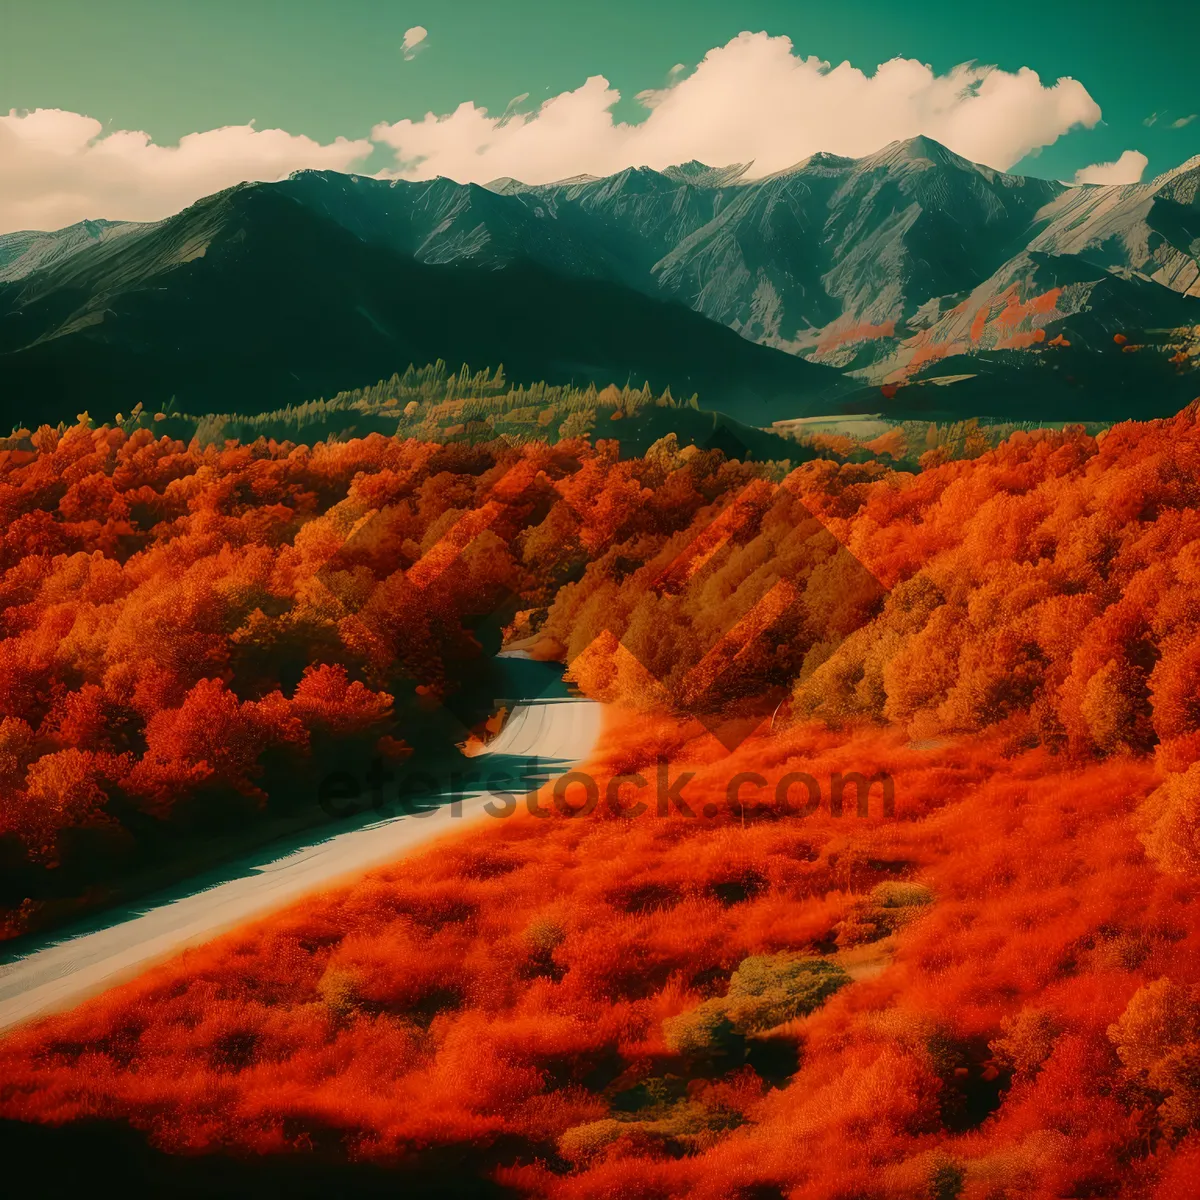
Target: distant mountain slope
<point>23,253</point>
<point>886,267</point>
<point>1045,303</point>
<point>251,299</point>
<point>855,261</point>
<point>829,242</point>
<point>834,243</point>
<point>1149,228</point>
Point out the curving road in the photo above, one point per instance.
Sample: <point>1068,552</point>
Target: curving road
<point>542,737</point>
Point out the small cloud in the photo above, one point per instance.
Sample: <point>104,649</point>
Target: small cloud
<point>1182,121</point>
<point>412,41</point>
<point>675,70</point>
<point>1148,121</point>
<point>1127,169</point>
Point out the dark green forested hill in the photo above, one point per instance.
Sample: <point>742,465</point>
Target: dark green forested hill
<point>251,300</point>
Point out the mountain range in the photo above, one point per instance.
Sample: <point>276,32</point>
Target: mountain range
<point>910,280</point>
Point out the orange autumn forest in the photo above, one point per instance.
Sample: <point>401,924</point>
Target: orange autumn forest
<point>1008,636</point>
<point>599,605</point>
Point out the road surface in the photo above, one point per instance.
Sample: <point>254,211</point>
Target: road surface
<point>556,733</point>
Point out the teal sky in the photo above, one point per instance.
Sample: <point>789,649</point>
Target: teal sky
<point>321,68</point>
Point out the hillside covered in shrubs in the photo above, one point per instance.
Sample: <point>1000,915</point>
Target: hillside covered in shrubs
<point>988,987</point>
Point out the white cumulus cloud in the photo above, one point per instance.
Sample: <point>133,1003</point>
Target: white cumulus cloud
<point>751,99</point>
<point>412,40</point>
<point>1127,169</point>
<point>59,167</point>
